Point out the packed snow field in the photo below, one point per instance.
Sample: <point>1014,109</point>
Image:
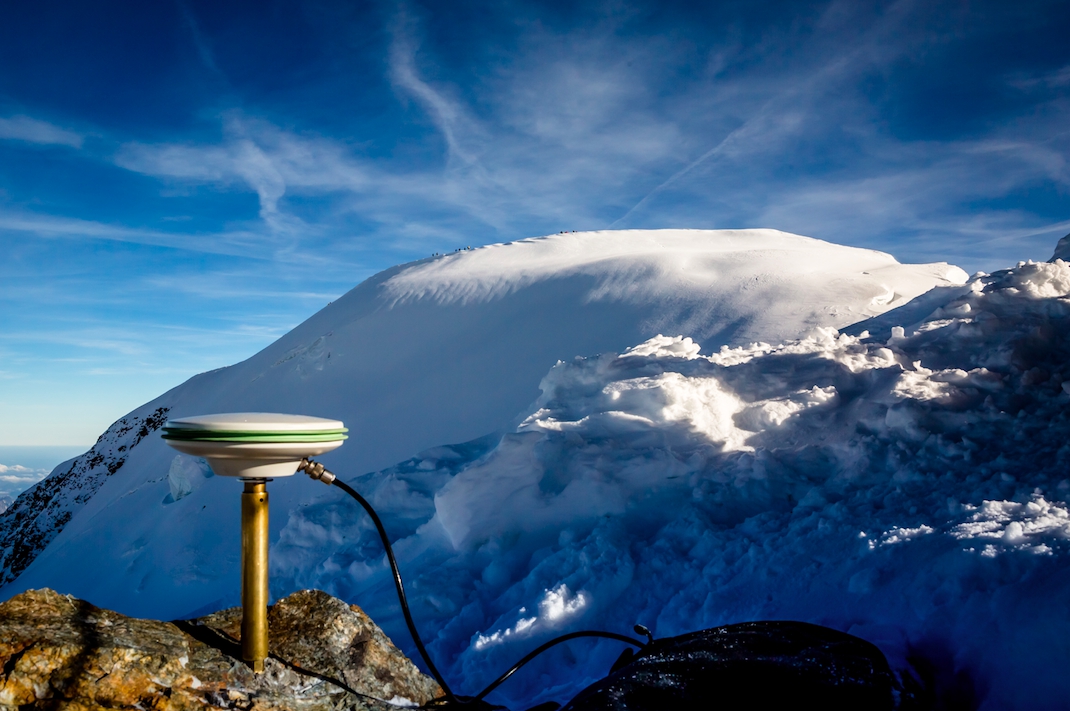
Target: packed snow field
<point>903,478</point>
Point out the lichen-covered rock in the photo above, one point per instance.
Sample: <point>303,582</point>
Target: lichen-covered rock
<point>60,652</point>
<point>315,631</point>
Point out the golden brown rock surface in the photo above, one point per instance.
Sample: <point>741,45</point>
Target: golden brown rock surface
<point>58,652</point>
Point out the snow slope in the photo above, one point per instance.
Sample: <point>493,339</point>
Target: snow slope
<point>450,349</point>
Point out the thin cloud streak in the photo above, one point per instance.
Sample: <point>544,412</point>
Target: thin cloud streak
<point>31,130</point>
<point>447,115</point>
<point>249,244</point>
<point>758,127</point>
<point>200,42</point>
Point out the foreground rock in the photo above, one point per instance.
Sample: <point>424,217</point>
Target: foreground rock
<point>60,652</point>
<point>753,665</point>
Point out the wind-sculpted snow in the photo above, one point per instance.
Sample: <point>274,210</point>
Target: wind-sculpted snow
<point>908,486</point>
<point>40,513</point>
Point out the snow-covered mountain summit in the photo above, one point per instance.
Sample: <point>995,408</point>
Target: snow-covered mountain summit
<point>441,350</point>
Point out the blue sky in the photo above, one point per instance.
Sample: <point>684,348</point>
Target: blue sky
<point>181,183</point>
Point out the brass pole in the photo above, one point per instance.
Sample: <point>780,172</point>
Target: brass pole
<point>254,573</point>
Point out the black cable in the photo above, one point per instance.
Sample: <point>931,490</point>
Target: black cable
<point>399,585</point>
<point>555,641</point>
<point>318,472</point>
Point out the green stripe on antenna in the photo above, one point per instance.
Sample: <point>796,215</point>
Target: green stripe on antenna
<point>247,437</point>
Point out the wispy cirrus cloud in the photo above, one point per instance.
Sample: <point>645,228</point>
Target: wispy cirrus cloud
<point>448,114</point>
<point>1058,79</point>
<point>940,200</point>
<point>31,130</point>
<point>589,127</point>
<point>577,130</point>
<point>257,155</point>
<point>255,243</point>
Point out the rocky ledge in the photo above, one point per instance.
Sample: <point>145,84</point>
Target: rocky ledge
<point>58,652</point>
<point>61,652</point>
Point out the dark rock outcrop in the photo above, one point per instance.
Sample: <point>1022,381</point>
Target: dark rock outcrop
<point>753,665</point>
<point>61,652</point>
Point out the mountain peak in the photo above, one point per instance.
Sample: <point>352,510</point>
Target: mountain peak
<point>1062,250</point>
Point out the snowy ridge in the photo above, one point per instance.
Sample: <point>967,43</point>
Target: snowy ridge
<point>911,490</point>
<point>40,513</point>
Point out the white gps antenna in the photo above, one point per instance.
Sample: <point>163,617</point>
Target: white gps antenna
<point>255,447</point>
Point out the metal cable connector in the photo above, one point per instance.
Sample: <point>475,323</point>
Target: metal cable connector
<point>315,470</point>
